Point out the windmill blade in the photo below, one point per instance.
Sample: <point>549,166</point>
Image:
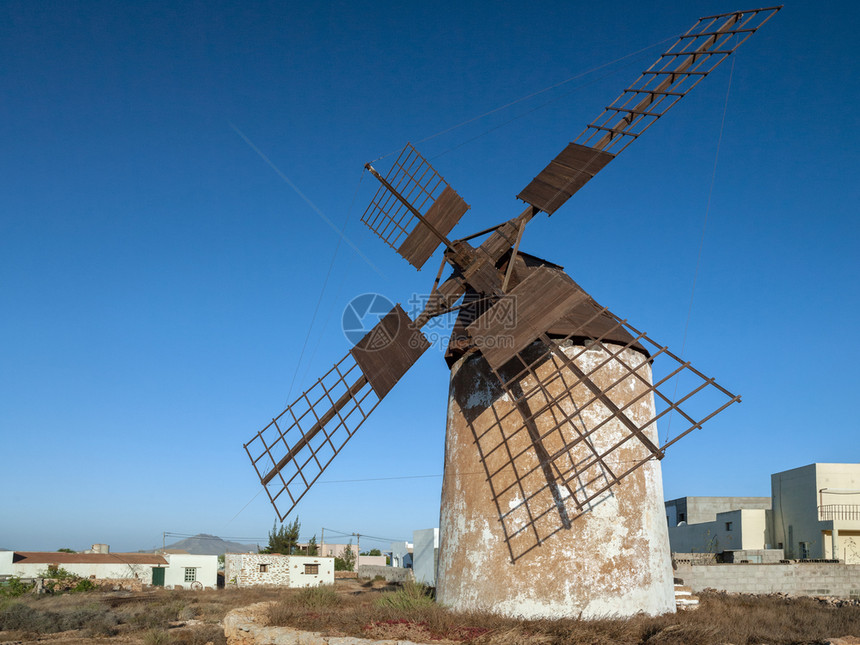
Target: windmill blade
<point>414,209</point>
<point>522,315</point>
<point>582,390</point>
<point>678,70</point>
<point>292,451</point>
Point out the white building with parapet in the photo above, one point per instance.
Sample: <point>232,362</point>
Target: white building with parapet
<point>813,513</point>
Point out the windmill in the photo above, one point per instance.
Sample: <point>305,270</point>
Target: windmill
<point>552,492</point>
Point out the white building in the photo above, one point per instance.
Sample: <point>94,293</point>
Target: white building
<point>337,551</point>
<point>187,571</point>
<point>401,554</point>
<point>816,512</point>
<point>177,571</point>
<point>717,524</point>
<point>813,513</point>
<point>251,569</point>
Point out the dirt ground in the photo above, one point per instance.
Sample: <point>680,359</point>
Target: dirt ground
<point>162,617</point>
<point>157,617</point>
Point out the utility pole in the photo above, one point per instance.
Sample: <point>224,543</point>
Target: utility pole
<point>163,537</point>
<point>322,542</point>
<point>357,549</point>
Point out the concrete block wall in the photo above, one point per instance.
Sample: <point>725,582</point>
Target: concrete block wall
<point>391,574</point>
<point>755,556</point>
<point>803,578</point>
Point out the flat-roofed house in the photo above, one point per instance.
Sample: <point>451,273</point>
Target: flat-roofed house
<point>169,570</point>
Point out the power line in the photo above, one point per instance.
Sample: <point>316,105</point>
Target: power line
<point>382,479</point>
<point>526,98</point>
<point>368,537</point>
<point>701,242</point>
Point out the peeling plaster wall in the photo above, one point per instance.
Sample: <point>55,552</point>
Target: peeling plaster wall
<point>511,540</point>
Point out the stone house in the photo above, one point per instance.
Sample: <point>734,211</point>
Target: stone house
<point>250,569</point>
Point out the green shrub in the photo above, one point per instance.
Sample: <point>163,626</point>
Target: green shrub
<point>84,584</point>
<point>13,587</point>
<point>57,573</point>
<point>412,595</point>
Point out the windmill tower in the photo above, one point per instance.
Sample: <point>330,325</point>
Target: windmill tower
<point>552,499</point>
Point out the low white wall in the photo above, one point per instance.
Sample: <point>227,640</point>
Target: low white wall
<point>142,572</point>
<point>371,560</point>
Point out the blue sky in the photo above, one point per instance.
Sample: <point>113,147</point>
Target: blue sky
<point>159,279</point>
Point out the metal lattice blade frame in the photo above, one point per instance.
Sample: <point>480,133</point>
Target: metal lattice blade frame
<point>292,451</point>
<point>551,390</point>
<point>413,190</point>
<point>677,71</point>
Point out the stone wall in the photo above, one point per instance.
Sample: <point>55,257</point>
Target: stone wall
<point>797,578</point>
<point>391,574</point>
<point>340,575</point>
<point>248,569</point>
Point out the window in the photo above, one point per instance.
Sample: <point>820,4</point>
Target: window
<point>728,526</point>
<point>804,550</point>
<point>682,517</point>
<point>190,574</point>
<point>312,569</point>
<point>264,568</point>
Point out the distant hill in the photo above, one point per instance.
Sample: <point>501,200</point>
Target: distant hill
<point>203,544</point>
